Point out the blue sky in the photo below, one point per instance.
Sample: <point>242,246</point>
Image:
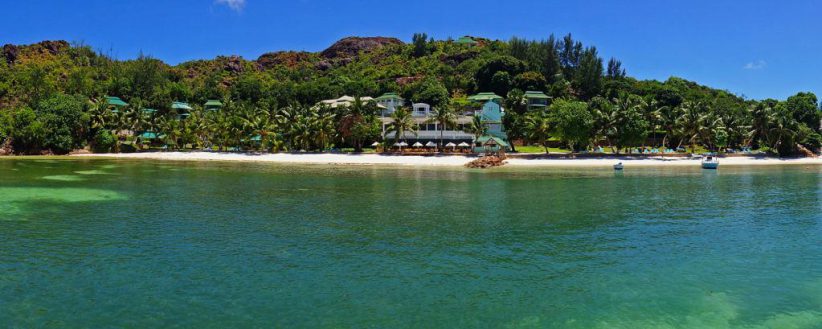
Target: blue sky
<point>755,48</point>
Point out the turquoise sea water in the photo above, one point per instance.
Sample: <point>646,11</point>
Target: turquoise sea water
<point>102,244</point>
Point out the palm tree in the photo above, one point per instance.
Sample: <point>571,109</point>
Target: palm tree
<point>689,123</point>
<point>446,118</point>
<point>538,127</point>
<point>783,129</point>
<point>622,118</point>
<point>604,117</point>
<point>666,116</point>
<point>353,117</point>
<point>478,128</point>
<point>196,129</point>
<point>650,109</point>
<point>258,122</point>
<point>402,122</point>
<point>301,132</point>
<point>100,114</point>
<point>761,114</point>
<point>323,126</point>
<point>711,128</point>
<point>171,127</point>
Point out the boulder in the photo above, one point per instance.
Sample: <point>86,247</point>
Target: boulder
<point>487,161</point>
<point>234,64</point>
<point>10,53</point>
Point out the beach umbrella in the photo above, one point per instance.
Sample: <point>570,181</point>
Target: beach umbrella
<point>463,144</point>
<point>452,145</point>
<point>403,144</point>
<point>398,144</point>
<point>375,144</point>
<point>417,144</point>
<point>430,144</point>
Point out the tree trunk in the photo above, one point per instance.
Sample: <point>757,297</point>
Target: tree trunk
<point>442,132</point>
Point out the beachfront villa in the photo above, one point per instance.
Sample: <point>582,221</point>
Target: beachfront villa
<point>429,131</point>
<point>536,100</point>
<point>492,114</point>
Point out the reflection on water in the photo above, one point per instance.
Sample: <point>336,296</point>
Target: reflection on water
<point>65,178</point>
<point>157,244</point>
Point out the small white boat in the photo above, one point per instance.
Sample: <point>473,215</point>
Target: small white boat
<point>710,162</point>
<point>619,166</point>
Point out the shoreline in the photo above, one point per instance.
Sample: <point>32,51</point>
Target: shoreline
<point>444,160</point>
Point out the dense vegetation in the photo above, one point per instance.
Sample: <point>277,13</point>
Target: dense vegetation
<point>52,98</point>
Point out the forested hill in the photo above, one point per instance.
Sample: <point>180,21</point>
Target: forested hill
<point>424,70</point>
<point>51,96</point>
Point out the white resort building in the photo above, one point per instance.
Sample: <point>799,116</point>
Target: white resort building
<point>427,130</point>
<point>486,105</point>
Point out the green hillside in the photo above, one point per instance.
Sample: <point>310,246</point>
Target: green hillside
<point>52,98</point>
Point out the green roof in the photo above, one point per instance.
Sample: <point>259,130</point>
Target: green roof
<point>482,97</point>
<point>536,95</point>
<point>213,103</point>
<point>388,96</point>
<point>150,135</point>
<point>115,101</point>
<point>181,106</point>
<point>484,139</point>
<point>466,40</point>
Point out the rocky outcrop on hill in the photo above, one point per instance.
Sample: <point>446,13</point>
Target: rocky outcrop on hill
<point>351,46</point>
<point>285,58</point>
<point>54,47</point>
<point>11,53</point>
<point>234,64</point>
<point>458,58</point>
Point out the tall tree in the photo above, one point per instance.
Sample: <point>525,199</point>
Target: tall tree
<point>588,78</point>
<point>804,108</point>
<point>615,70</point>
<point>420,42</point>
<point>572,122</point>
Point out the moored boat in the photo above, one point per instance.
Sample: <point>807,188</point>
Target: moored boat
<point>710,161</point>
<point>619,166</point>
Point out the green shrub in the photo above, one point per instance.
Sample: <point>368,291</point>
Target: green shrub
<point>103,141</point>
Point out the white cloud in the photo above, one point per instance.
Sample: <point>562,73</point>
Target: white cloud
<point>236,5</point>
<point>757,65</point>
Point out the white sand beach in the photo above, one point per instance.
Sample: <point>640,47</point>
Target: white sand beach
<point>449,160</point>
